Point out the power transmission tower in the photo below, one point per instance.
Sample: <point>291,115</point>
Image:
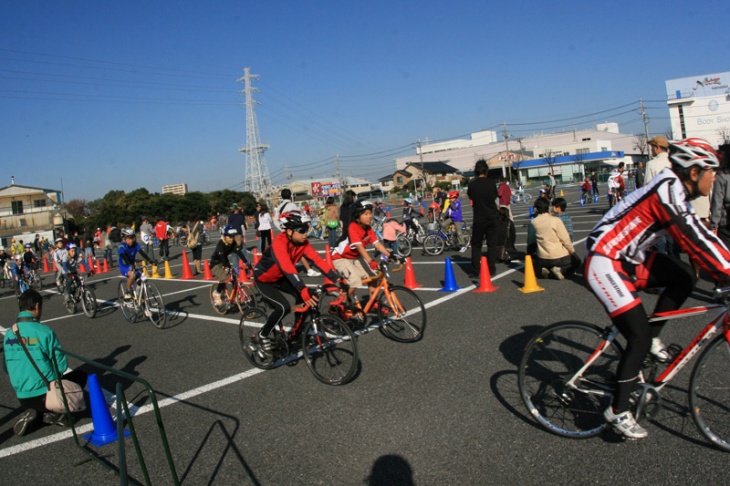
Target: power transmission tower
<point>257,174</point>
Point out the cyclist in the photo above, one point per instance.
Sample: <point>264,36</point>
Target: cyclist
<point>18,271</point>
<point>351,258</point>
<point>410,216</point>
<point>276,275</point>
<point>70,268</point>
<point>126,254</point>
<point>220,266</point>
<point>4,257</point>
<point>58,253</point>
<point>620,261</point>
<point>453,215</point>
<point>29,258</point>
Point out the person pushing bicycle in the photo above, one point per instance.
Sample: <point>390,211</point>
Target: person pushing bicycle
<point>620,261</point>
<point>126,255</point>
<point>275,274</point>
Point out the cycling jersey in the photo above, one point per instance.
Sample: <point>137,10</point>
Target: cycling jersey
<point>221,252</point>
<point>279,260</point>
<point>71,265</point>
<point>357,235</point>
<point>662,206</point>
<point>127,255</point>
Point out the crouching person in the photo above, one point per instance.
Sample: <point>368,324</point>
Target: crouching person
<point>555,255</point>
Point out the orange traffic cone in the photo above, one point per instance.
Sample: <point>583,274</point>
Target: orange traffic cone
<point>55,269</point>
<point>168,272</point>
<point>328,259</point>
<point>256,257</point>
<point>106,266</point>
<point>45,264</point>
<point>206,271</point>
<point>243,274</point>
<point>98,265</point>
<point>187,273</point>
<point>485,280</point>
<point>91,263</point>
<point>410,280</point>
<point>530,279</point>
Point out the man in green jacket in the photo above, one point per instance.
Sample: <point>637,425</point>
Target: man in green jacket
<point>41,341</point>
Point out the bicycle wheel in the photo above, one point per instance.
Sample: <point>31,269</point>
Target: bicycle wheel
<point>36,282</point>
<point>329,349</point>
<point>433,245</point>
<point>514,198</point>
<point>709,400</point>
<point>225,298</point>
<point>251,322</point>
<point>551,360</point>
<point>402,315</point>
<point>88,303</point>
<point>466,234</point>
<point>527,198</point>
<point>70,305</point>
<point>154,305</point>
<point>403,246</point>
<point>129,308</point>
<point>244,298</point>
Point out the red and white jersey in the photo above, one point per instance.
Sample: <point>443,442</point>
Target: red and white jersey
<point>357,235</point>
<point>661,207</point>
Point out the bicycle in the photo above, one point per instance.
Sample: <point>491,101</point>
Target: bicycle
<point>419,235</point>
<point>6,278</point>
<point>146,301</point>
<point>239,296</point>
<point>327,344</point>
<point>437,240</point>
<point>81,294</point>
<point>567,375</point>
<point>30,279</point>
<point>398,308</point>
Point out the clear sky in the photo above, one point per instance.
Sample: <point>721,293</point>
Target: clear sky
<point>96,96</point>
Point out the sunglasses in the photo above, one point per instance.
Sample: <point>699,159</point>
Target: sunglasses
<point>302,230</point>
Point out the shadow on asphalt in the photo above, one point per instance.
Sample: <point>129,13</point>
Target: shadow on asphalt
<point>390,470</point>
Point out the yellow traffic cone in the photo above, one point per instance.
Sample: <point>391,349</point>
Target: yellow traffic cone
<point>168,272</point>
<point>530,279</point>
<point>144,269</point>
<point>155,273</point>
<point>561,193</point>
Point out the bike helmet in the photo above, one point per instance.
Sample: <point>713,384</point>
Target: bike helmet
<point>71,246</point>
<point>128,233</point>
<point>453,194</point>
<point>294,219</point>
<point>408,200</point>
<point>58,240</point>
<point>2,248</point>
<point>360,207</point>
<point>230,231</point>
<point>693,151</point>
<point>27,246</point>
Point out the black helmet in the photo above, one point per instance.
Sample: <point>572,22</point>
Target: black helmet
<point>360,207</point>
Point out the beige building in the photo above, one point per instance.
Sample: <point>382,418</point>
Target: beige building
<point>26,210</point>
<point>179,189</point>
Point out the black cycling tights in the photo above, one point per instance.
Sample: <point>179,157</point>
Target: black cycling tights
<point>679,280</point>
<point>273,294</point>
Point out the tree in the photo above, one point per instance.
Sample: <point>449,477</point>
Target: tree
<point>550,158</point>
<point>642,145</point>
<point>77,208</point>
<point>723,134</point>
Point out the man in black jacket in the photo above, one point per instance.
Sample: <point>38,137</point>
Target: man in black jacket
<point>483,194</point>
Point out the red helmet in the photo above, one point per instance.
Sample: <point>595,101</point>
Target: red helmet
<point>693,151</point>
<point>453,194</point>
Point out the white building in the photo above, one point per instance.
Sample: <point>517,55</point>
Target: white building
<point>699,106</point>
<point>179,189</point>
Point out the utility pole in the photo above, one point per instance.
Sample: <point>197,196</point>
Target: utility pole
<point>423,173</point>
<point>257,174</point>
<point>645,118</point>
<point>506,144</point>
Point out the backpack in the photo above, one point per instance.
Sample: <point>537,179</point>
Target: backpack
<point>193,236</point>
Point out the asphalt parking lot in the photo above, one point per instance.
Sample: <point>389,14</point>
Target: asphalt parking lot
<point>444,410</point>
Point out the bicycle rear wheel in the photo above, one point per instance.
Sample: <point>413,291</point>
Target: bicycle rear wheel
<point>88,303</point>
<point>709,400</point>
<point>36,282</point>
<point>552,358</point>
<point>154,306</point>
<point>402,315</point>
<point>128,307</point>
<point>403,246</point>
<point>330,350</point>
<point>245,298</point>
<point>251,322</point>
<point>433,245</point>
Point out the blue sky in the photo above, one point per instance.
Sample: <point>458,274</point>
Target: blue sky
<point>97,96</point>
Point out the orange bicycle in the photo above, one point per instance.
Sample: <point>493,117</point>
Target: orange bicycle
<point>238,296</point>
<point>401,313</point>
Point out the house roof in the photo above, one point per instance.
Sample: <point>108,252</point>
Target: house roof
<point>386,178</point>
<point>29,188</point>
<point>434,167</point>
<point>608,157</point>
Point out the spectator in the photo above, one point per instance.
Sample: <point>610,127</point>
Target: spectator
<point>37,246</point>
<point>256,215</point>
<point>482,192</point>
<point>506,237</point>
<point>346,213</point>
<point>237,221</point>
<point>559,207</point>
<point>162,231</point>
<point>265,223</point>
<point>40,341</point>
<point>660,161</point>
<point>551,185</point>
<point>195,229</point>
<point>146,233</point>
<point>555,254</point>
<point>114,239</point>
<point>331,216</point>
<point>719,220</point>
<point>639,175</point>
<point>505,195</point>
<point>594,183</point>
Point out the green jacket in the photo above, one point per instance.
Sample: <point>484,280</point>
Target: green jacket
<point>40,341</point>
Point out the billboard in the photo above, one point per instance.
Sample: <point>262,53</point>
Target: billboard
<point>698,86</point>
<point>326,189</point>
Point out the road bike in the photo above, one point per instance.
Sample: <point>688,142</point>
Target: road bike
<point>146,301</point>
<point>520,195</point>
<point>437,240</point>
<point>327,344</point>
<point>239,295</point>
<point>401,313</point>
<point>568,371</point>
<point>6,278</point>
<point>80,293</point>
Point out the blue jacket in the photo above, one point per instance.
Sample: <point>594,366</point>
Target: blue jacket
<point>454,211</point>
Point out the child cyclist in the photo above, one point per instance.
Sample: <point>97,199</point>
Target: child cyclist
<point>276,275</point>
<point>126,255</point>
<point>220,266</point>
<point>410,216</point>
<point>58,253</point>
<point>452,214</point>
<point>620,261</point>
<point>70,268</point>
<point>351,258</point>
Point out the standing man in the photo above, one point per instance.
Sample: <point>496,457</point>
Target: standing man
<point>162,229</point>
<point>660,161</point>
<point>114,239</point>
<point>639,175</point>
<point>551,184</point>
<point>145,232</point>
<point>594,183</point>
<point>505,195</point>
<point>483,194</point>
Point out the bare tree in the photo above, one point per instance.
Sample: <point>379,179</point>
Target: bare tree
<point>670,134</point>
<point>724,134</point>
<point>550,158</point>
<point>78,208</point>
<point>580,160</point>
<point>642,145</point>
